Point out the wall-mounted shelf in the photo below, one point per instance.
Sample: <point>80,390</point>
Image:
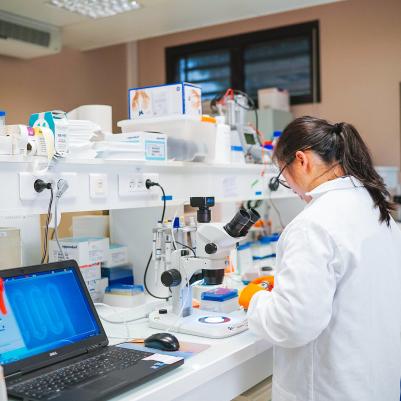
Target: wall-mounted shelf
<point>226,182</point>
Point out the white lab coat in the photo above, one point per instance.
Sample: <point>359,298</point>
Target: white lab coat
<point>334,315</point>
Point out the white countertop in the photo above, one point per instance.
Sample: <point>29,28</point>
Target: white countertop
<point>226,369</point>
<point>240,361</point>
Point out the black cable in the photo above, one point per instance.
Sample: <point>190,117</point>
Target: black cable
<point>145,283</point>
<point>252,107</point>
<point>148,185</point>
<point>46,238</point>
<point>270,199</point>
<point>186,246</point>
<point>164,201</point>
<point>253,204</point>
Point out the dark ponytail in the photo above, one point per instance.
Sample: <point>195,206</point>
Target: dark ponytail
<point>336,143</point>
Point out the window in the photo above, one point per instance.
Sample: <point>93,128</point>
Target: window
<point>286,57</point>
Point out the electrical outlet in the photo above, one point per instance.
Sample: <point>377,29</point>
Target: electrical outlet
<point>134,184</point>
<point>151,176</point>
<point>27,180</point>
<point>26,189</point>
<point>98,186</point>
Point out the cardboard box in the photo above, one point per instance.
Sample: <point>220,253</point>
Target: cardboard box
<point>90,226</point>
<point>97,288</point>
<point>91,272</point>
<point>85,250</point>
<point>165,100</point>
<point>117,256</point>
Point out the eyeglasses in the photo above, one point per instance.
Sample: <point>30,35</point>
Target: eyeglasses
<point>276,181</point>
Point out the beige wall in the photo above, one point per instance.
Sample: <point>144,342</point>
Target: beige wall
<point>360,49</point>
<point>64,81</point>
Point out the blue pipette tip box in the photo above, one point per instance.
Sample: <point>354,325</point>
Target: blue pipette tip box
<point>219,294</point>
<point>125,288</point>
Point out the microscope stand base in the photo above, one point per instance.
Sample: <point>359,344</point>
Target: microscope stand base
<point>201,323</point>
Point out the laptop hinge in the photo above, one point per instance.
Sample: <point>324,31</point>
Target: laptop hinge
<point>94,347</point>
<point>13,375</point>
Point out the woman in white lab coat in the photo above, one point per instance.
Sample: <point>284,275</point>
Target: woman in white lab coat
<point>334,316</point>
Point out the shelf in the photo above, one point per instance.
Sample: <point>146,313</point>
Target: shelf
<point>226,182</point>
<point>170,164</point>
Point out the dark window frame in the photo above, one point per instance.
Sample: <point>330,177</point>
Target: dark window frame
<point>236,44</point>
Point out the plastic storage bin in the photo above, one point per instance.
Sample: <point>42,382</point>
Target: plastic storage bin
<point>275,98</point>
<point>188,137</point>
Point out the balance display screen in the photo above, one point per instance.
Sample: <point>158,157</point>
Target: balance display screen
<point>250,139</point>
<point>41,312</point>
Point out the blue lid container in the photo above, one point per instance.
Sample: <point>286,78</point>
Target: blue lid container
<point>277,134</point>
<point>2,113</point>
<point>265,240</point>
<point>121,287</point>
<point>243,246</point>
<point>269,238</point>
<point>122,275</point>
<point>219,295</point>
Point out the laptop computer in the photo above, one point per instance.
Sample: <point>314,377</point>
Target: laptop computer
<point>53,345</point>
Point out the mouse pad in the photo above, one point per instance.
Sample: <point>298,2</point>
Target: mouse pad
<point>187,349</point>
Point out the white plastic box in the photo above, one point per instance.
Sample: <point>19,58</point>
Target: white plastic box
<point>94,282</point>
<point>86,251</point>
<point>134,146</point>
<point>274,98</point>
<point>197,138</point>
<point>116,256</point>
<point>91,272</point>
<point>228,306</point>
<point>165,100</point>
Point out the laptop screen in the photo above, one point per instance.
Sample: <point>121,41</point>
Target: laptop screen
<point>43,311</point>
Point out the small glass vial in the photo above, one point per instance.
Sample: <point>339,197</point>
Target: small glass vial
<point>2,121</point>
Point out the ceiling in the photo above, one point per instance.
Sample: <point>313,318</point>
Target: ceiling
<point>155,18</point>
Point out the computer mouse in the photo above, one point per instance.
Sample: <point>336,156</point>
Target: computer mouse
<point>163,342</point>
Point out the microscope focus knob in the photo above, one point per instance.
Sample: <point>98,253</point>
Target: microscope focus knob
<point>171,278</point>
<point>210,248</point>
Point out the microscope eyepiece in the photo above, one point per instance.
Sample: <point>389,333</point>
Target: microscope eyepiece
<point>254,217</point>
<point>237,223</point>
<point>242,222</point>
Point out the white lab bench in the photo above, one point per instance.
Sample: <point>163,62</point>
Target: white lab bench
<point>226,369</point>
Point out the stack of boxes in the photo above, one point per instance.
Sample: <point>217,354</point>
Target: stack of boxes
<point>89,252</point>
<point>116,267</point>
<point>104,266</point>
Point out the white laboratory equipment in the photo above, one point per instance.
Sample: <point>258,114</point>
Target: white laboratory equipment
<point>214,242</point>
<point>234,105</point>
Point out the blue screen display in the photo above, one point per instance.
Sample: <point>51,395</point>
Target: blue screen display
<point>41,312</point>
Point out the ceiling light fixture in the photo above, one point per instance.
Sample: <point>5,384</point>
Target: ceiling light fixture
<point>97,8</point>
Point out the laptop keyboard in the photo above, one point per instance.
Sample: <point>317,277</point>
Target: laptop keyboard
<point>47,385</point>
